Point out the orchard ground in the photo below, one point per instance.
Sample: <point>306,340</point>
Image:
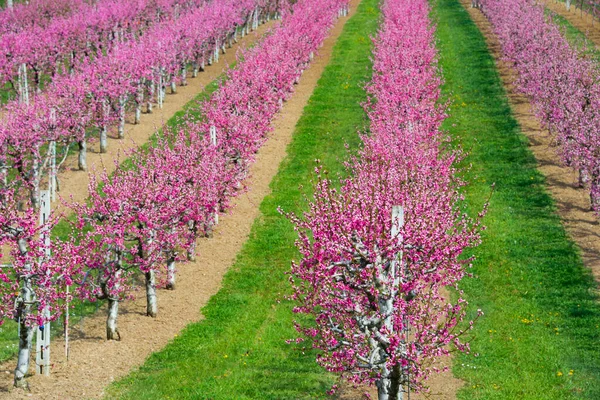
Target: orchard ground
<point>540,333</point>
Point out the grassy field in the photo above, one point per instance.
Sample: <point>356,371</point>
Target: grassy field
<point>239,350</point>
<point>539,337</point>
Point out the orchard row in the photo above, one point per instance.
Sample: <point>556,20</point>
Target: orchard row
<point>561,82</point>
<point>36,134</point>
<point>378,253</point>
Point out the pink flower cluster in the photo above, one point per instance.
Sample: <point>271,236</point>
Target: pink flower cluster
<point>77,31</point>
<point>373,283</point>
<point>36,13</point>
<point>560,81</point>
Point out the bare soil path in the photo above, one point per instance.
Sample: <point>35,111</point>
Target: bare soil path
<point>95,362</point>
<point>573,203</point>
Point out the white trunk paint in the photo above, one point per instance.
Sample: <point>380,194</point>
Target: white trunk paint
<point>151,301</point>
<point>171,273</point>
<point>82,159</point>
<point>122,103</point>
<point>112,331</point>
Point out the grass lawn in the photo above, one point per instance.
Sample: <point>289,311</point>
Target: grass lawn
<point>239,350</point>
<point>540,336</point>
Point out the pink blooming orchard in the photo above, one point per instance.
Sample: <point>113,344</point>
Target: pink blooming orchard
<point>145,217</point>
<point>381,314</point>
<point>560,81</point>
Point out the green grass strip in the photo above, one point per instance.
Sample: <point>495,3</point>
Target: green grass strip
<point>540,336</point>
<point>239,350</point>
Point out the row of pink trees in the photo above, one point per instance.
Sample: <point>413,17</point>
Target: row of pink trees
<point>20,16</point>
<point>378,252</point>
<point>144,218</point>
<point>561,82</point>
<point>47,49</point>
<point>97,94</point>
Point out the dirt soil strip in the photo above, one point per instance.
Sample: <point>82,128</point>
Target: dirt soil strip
<point>572,202</point>
<point>582,21</point>
<point>94,362</point>
<point>75,183</point>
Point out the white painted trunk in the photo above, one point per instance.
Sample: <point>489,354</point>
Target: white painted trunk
<point>26,331</point>
<point>171,273</point>
<point>184,75</point>
<point>151,303</point>
<point>150,97</point>
<point>82,159</point>
<point>9,4</point>
<point>112,331</point>
<point>103,139</point>
<point>568,3</point>
<point>122,102</point>
<point>24,354</point>
<point>34,193</point>
<point>173,86</point>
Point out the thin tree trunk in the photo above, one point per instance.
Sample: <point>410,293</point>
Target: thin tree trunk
<point>151,304</point>
<point>25,328</point>
<point>25,345</point>
<point>82,160</point>
<point>388,386</point>
<point>171,273</point>
<point>122,102</point>
<point>150,96</point>
<point>9,4</point>
<point>103,139</point>
<point>112,331</point>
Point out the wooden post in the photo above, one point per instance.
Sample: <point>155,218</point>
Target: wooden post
<point>52,175</point>
<point>42,359</point>
<point>213,140</point>
<point>397,225</point>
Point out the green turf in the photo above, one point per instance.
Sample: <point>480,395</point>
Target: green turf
<point>539,338</point>
<point>239,350</point>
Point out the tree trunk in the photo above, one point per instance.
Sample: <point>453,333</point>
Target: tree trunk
<point>184,75</point>
<point>112,331</point>
<point>25,329</point>
<point>150,96</point>
<point>151,305</point>
<point>82,155</point>
<point>171,273</point>
<point>122,102</point>
<point>25,345</point>
<point>9,4</point>
<point>388,386</point>
<point>103,139</point>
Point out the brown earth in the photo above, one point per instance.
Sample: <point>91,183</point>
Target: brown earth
<point>94,362</point>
